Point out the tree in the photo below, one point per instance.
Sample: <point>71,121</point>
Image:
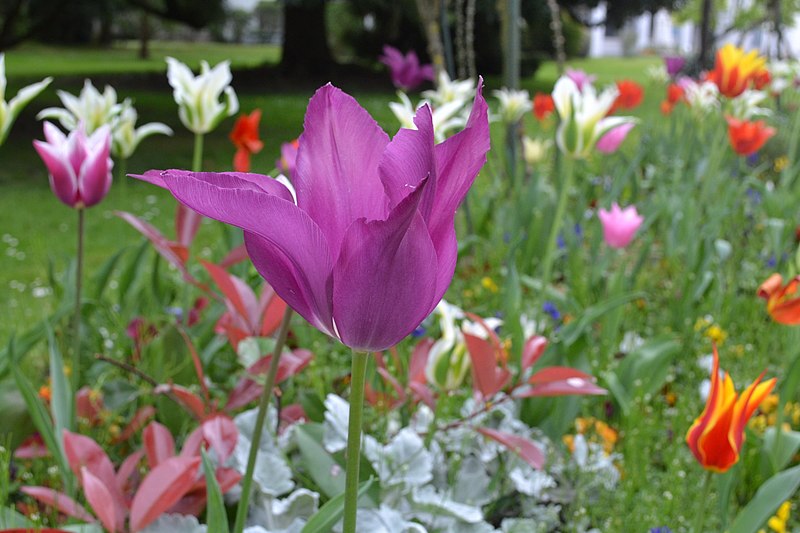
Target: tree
<point>305,39</point>
<point>22,19</point>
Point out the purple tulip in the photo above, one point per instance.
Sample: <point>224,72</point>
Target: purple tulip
<point>79,167</point>
<point>407,74</point>
<point>674,64</point>
<point>610,142</point>
<point>619,225</point>
<point>580,77</point>
<point>288,158</point>
<point>370,247</point>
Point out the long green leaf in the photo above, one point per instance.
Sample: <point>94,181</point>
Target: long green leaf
<point>573,330</point>
<point>769,497</point>
<point>9,518</point>
<point>63,401</point>
<point>41,419</point>
<point>103,274</point>
<point>330,513</point>
<point>318,462</point>
<point>216,515</point>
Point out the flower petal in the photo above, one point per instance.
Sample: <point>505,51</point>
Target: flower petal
<point>286,245</point>
<point>336,177</point>
<point>383,285</point>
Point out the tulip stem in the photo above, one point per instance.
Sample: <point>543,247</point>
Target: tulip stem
<point>353,453</point>
<point>263,405</point>
<point>197,159</point>
<point>566,184</point>
<point>76,319</point>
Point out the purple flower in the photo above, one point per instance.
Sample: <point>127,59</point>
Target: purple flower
<point>79,166</point>
<point>610,142</point>
<point>674,64</point>
<point>407,74</point>
<point>619,225</point>
<point>580,77</point>
<point>550,309</point>
<point>288,158</point>
<point>370,247</point>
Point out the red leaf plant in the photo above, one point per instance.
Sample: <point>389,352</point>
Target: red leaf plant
<point>174,484</point>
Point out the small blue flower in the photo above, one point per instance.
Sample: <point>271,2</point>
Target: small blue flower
<point>551,309</point>
<point>578,231</point>
<point>752,159</point>
<point>419,332</point>
<point>754,196</point>
<point>660,529</point>
<point>561,243</point>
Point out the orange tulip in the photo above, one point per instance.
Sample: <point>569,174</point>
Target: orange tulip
<point>245,137</point>
<point>748,137</point>
<point>630,95</point>
<point>734,71</point>
<point>780,305</point>
<point>543,105</point>
<point>717,435</point>
<point>761,79</point>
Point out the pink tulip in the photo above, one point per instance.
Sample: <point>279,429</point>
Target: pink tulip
<point>609,143</point>
<point>619,225</point>
<point>580,77</point>
<point>79,167</point>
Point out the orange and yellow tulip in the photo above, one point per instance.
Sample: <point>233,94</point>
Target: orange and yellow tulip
<point>717,435</point>
<point>734,71</point>
<point>783,301</point>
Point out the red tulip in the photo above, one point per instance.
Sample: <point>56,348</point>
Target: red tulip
<point>245,137</point>
<point>543,106</point>
<point>783,301</point>
<point>748,137</point>
<point>630,96</point>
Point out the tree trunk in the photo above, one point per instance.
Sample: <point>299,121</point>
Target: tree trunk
<point>428,15</point>
<point>706,35</point>
<point>305,39</point>
<point>144,35</point>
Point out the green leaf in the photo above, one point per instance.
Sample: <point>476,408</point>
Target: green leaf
<point>131,269</point>
<point>573,330</point>
<point>104,274</point>
<point>216,515</point>
<point>330,513</point>
<point>769,497</point>
<point>41,419</point>
<point>789,443</point>
<point>9,518</point>
<point>62,405</point>
<point>318,463</point>
<point>645,368</point>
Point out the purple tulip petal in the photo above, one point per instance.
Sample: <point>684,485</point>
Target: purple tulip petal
<point>286,245</point>
<point>63,181</point>
<point>458,161</point>
<point>408,159</point>
<point>154,177</point>
<point>397,256</point>
<point>337,164</point>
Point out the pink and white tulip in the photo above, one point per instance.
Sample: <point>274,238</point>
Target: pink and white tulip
<point>79,166</point>
<point>611,141</point>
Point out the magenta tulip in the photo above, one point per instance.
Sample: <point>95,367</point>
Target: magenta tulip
<point>674,64</point>
<point>610,142</point>
<point>580,77</point>
<point>79,166</point>
<point>370,247</point>
<point>407,74</point>
<point>619,225</point>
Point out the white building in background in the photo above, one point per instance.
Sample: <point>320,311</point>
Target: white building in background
<point>667,36</point>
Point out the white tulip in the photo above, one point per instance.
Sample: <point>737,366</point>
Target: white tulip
<point>10,110</point>
<point>198,97</point>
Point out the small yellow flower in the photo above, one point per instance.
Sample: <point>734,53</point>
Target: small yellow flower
<point>716,334</point>
<point>701,324</point>
<point>781,163</point>
<point>758,424</point>
<point>778,522</point>
<point>489,284</point>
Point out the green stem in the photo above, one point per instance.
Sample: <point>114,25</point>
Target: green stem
<point>353,453</point>
<point>197,159</point>
<point>76,319</point>
<point>263,405</point>
<point>566,184</point>
<point>122,167</point>
<point>703,510</point>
